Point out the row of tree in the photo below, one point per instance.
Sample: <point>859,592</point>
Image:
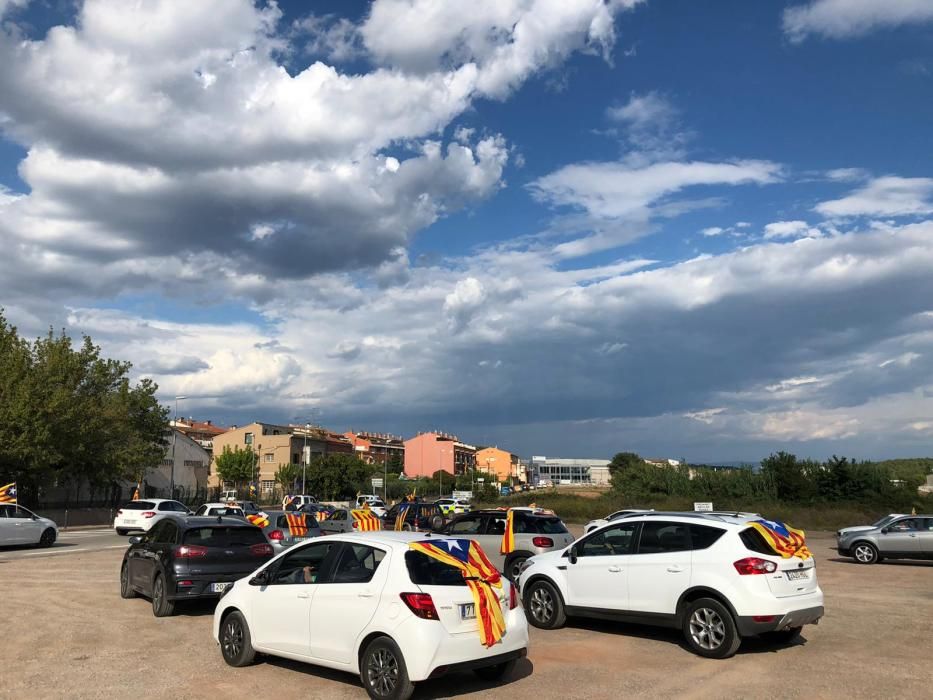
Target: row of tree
<point>69,415</point>
<point>782,477</point>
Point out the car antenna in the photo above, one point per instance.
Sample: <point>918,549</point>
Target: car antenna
<point>220,519</point>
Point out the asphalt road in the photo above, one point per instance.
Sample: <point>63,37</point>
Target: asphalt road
<point>69,542</point>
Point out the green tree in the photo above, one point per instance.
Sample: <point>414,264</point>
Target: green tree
<point>236,465</point>
<point>287,476</point>
<point>788,476</point>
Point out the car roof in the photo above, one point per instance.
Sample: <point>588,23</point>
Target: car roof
<point>202,520</point>
<point>219,505</point>
<point>391,538</point>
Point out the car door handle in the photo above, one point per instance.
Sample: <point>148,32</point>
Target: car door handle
<point>302,595</point>
<point>615,569</point>
<point>675,569</point>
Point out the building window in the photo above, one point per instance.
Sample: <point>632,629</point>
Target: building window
<point>248,438</point>
<point>267,486</point>
<point>268,457</point>
<point>294,458</point>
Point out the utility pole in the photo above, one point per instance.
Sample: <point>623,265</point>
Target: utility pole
<point>304,459</point>
<point>174,439</point>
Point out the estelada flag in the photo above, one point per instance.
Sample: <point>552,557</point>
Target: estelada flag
<point>481,577</point>
<point>259,519</point>
<point>297,527</point>
<point>136,493</point>
<point>508,537</point>
<point>8,493</point>
<point>400,518</point>
<point>366,520</point>
<point>783,539</point>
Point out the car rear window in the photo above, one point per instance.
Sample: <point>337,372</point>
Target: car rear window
<point>754,542</point>
<point>138,505</point>
<point>425,571</point>
<point>224,536</point>
<point>539,525</point>
<point>310,522</point>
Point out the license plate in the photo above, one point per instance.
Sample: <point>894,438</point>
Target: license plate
<point>468,611</point>
<point>130,522</point>
<point>798,575</point>
<point>220,587</point>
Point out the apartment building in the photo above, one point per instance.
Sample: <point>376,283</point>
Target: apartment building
<point>378,448</point>
<point>500,464</point>
<point>427,453</point>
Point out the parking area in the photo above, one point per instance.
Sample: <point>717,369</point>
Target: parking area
<point>67,633</point>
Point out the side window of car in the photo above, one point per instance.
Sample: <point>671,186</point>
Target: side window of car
<point>703,536</point>
<point>304,565</point>
<point>6,511</point>
<point>661,537</point>
<point>495,526</point>
<point>155,534</point>
<point>611,541</point>
<point>165,506</point>
<point>201,511</point>
<point>22,513</point>
<point>357,564</point>
<point>905,525</point>
<point>169,533</point>
<point>469,525</point>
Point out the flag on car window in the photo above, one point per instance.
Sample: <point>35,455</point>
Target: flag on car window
<point>400,518</point>
<point>259,519</point>
<point>783,539</point>
<point>481,577</point>
<point>8,493</point>
<point>365,521</point>
<point>297,527</point>
<point>507,545</point>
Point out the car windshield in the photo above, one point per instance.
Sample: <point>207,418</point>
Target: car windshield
<point>884,521</point>
<point>425,571</point>
<point>224,536</point>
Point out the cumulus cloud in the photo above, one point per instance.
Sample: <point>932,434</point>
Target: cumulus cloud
<point>791,229</point>
<point>841,19</point>
<point>884,196</point>
<point>651,124</point>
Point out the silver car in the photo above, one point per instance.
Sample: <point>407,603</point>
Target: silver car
<point>281,536</point>
<point>904,537</point>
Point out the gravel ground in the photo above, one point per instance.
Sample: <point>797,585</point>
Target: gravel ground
<point>68,634</point>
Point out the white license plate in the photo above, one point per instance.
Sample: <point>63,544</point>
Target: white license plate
<point>798,575</point>
<point>220,587</point>
<point>129,522</point>
<point>468,611</point>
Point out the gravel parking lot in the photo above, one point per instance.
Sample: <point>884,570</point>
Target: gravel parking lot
<point>67,633</point>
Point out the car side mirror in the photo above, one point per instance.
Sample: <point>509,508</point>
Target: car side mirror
<point>572,555</point>
<point>135,539</point>
<point>261,579</point>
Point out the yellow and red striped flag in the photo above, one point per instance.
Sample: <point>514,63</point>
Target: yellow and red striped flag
<point>783,539</point>
<point>365,520</point>
<point>259,519</point>
<point>508,537</point>
<point>136,493</point>
<point>8,493</point>
<point>400,518</point>
<point>297,527</point>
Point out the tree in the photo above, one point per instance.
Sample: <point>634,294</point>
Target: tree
<point>788,477</point>
<point>287,476</point>
<point>236,465</point>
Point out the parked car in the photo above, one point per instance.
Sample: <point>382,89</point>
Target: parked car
<point>426,517</point>
<point>377,507</point>
<point>904,537</point>
<point>453,506</point>
<point>369,605</point>
<point>295,502</point>
<point>318,510</point>
<point>366,498</point>
<point>248,507</point>
<point>143,515</point>
<point>593,524</point>
<point>213,509</point>
<point>535,533</point>
<point>190,558</point>
<point>713,577</point>
<point>281,536</point>
<point>20,525</point>
<point>338,522</point>
<point>881,522</point>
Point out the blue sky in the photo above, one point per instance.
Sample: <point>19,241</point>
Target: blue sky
<point>697,230</point>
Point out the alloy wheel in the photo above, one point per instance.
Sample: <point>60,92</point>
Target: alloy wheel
<point>382,672</point>
<point>864,553</point>
<point>232,641</point>
<point>707,629</point>
<point>542,604</point>
<point>47,539</point>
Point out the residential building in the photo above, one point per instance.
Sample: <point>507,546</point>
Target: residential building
<point>202,432</point>
<point>578,472</point>
<point>378,448</point>
<point>662,462</point>
<point>427,453</point>
<point>278,445</point>
<point>503,465</point>
<point>192,463</point>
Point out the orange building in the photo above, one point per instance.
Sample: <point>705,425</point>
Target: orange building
<point>503,465</point>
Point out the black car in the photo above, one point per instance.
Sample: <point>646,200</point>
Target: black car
<point>191,558</point>
<point>419,516</point>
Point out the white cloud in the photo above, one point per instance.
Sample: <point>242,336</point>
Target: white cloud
<point>791,229</point>
<point>840,19</point>
<point>847,174</point>
<point>713,231</point>
<point>643,110</point>
<point>884,196</point>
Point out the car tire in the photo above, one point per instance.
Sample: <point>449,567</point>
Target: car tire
<point>497,672</point>
<point>437,523</point>
<point>161,605</point>
<point>407,527</point>
<point>47,539</point>
<point>865,553</point>
<point>126,590</point>
<point>236,643</point>
<point>513,567</point>
<point>710,629</point>
<point>544,606</point>
<point>383,672</point>
<point>121,532</point>
<point>784,636</point>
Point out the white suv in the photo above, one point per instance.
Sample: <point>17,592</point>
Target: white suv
<point>142,515</point>
<point>712,576</point>
<point>369,605</point>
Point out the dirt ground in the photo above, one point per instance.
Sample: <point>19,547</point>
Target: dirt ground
<point>68,634</point>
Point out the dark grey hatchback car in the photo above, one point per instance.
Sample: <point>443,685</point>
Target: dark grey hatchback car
<point>191,558</point>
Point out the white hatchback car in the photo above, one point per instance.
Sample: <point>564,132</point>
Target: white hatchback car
<point>21,526</point>
<point>712,576</point>
<point>369,605</point>
<point>142,515</point>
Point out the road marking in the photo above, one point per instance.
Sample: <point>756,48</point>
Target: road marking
<point>50,553</point>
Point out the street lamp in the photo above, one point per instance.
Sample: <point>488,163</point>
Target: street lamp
<point>174,439</point>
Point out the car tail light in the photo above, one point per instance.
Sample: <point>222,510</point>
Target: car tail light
<point>185,583</point>
<point>421,604</point>
<point>513,597</point>
<point>189,551</point>
<point>355,525</point>
<point>764,618</point>
<point>542,541</point>
<point>277,535</point>
<point>261,550</point>
<point>149,514</point>
<point>754,565</point>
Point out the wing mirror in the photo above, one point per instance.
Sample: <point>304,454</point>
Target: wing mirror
<point>261,579</point>
<point>135,539</point>
<point>885,530</point>
<point>572,555</point>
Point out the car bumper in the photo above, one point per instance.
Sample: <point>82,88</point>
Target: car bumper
<point>480,663</point>
<point>200,587</point>
<point>749,626</point>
